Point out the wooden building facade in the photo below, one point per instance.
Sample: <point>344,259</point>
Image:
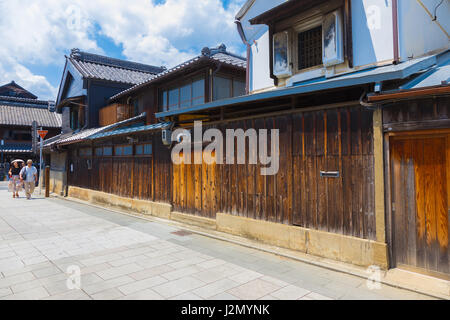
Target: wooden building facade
<point>362,177</point>
<point>338,138</point>
<point>139,171</point>
<point>418,188</point>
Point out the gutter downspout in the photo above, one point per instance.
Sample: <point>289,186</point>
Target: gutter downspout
<point>272,75</point>
<point>395,31</point>
<point>244,40</point>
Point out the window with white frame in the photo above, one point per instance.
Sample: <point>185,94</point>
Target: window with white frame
<point>281,65</point>
<point>310,44</point>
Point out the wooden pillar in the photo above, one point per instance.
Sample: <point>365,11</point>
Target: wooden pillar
<point>379,175</point>
<point>47,181</point>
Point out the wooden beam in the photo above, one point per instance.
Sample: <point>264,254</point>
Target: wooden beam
<point>417,125</point>
<point>408,94</point>
<point>348,32</point>
<point>378,152</point>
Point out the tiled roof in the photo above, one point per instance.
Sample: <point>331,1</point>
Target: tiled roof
<point>131,129</point>
<point>229,59</point>
<point>94,66</point>
<point>70,138</point>
<point>22,112</point>
<point>12,89</point>
<point>16,148</point>
<point>219,54</point>
<point>26,101</point>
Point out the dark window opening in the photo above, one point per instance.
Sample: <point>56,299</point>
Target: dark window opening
<point>98,152</point>
<point>143,149</point>
<point>74,125</point>
<point>136,109</point>
<point>85,152</point>
<point>189,94</point>
<point>310,48</point>
<point>123,151</point>
<point>227,87</point>
<point>107,151</point>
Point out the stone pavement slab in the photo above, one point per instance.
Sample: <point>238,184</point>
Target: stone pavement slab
<point>55,249</point>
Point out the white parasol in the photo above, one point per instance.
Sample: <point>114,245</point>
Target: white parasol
<point>18,160</point>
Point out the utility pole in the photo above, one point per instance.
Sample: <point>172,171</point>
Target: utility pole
<point>2,143</point>
<point>42,135</point>
<point>40,164</point>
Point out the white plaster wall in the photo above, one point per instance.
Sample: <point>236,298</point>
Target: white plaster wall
<point>258,37</point>
<point>259,66</point>
<point>418,34</point>
<point>372,31</point>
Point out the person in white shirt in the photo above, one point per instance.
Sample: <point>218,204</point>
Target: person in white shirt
<point>29,176</point>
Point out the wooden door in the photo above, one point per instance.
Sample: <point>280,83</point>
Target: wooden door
<point>420,182</point>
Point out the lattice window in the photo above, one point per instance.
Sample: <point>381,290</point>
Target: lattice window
<point>310,48</point>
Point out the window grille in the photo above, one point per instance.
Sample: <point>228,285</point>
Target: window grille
<point>310,48</point>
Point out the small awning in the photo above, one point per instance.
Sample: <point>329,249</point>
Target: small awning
<point>285,10</point>
<point>432,82</point>
<point>130,130</point>
<point>83,135</point>
<point>75,100</point>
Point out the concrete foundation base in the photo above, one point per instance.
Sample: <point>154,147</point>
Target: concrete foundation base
<point>347,249</point>
<point>160,210</point>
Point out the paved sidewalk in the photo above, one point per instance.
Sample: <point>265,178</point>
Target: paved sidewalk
<point>44,243</point>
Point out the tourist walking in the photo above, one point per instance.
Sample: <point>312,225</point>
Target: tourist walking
<point>15,184</point>
<point>29,176</point>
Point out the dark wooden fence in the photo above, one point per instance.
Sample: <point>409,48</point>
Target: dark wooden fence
<point>334,140</point>
<point>138,177</point>
<point>338,140</point>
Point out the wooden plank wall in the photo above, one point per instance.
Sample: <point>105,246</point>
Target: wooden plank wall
<point>114,113</point>
<point>421,114</point>
<point>145,178</point>
<point>310,142</point>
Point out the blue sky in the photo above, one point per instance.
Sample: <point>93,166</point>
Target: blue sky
<point>37,34</point>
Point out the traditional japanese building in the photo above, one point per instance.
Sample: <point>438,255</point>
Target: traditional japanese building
<point>362,116</point>
<point>128,134</point>
<point>17,114</point>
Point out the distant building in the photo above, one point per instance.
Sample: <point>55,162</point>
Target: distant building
<point>17,114</point>
<point>89,80</point>
<point>127,125</point>
<point>12,89</point>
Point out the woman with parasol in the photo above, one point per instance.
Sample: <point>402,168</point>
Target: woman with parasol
<point>14,175</point>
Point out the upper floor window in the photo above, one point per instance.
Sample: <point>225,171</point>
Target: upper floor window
<point>107,151</point>
<point>124,150</point>
<point>227,87</point>
<point>103,151</point>
<point>99,152</point>
<point>143,149</point>
<point>308,44</point>
<point>85,152</point>
<point>136,107</point>
<point>190,93</point>
<point>74,124</point>
<point>309,48</point>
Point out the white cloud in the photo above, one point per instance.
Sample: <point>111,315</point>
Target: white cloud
<point>10,70</point>
<point>41,32</point>
<point>167,33</point>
